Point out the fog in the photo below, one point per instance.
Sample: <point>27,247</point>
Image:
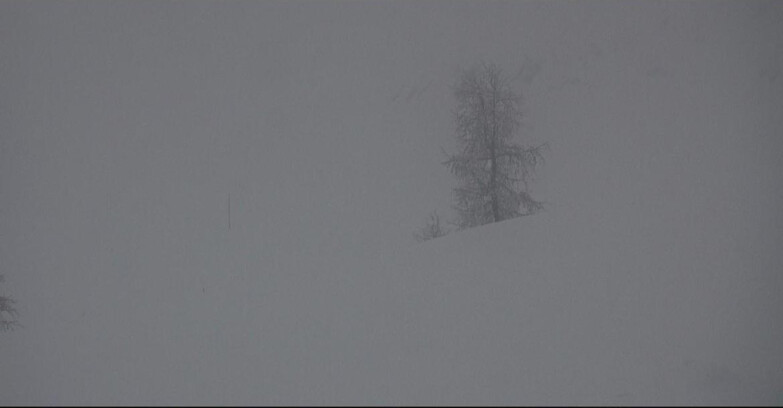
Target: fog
<point>127,127</point>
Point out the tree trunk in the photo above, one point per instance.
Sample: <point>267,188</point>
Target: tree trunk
<point>492,186</point>
<point>493,159</point>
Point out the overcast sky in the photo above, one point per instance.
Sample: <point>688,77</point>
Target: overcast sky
<point>329,117</point>
<point>126,125</point>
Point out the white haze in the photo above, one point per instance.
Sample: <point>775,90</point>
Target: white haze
<point>654,276</point>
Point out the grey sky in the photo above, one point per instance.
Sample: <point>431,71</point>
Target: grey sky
<point>124,126</point>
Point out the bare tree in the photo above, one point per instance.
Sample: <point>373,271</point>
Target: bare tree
<point>8,313</point>
<point>493,170</point>
<point>431,230</point>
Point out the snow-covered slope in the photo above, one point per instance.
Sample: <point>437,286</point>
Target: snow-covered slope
<point>528,311</point>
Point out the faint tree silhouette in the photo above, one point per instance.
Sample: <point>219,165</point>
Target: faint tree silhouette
<point>493,170</point>
<point>8,313</point>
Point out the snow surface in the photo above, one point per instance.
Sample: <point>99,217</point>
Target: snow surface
<point>528,311</point>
